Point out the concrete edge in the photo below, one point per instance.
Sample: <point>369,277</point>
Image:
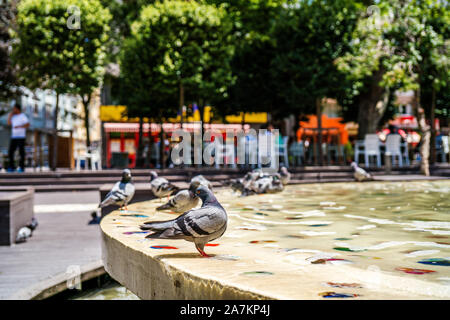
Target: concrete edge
<point>57,283</point>
<point>177,283</point>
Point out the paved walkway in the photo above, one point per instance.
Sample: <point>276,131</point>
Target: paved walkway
<point>62,239</point>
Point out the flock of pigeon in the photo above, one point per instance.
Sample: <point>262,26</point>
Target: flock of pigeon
<point>209,222</point>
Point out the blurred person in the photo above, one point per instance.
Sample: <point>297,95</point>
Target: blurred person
<point>394,130</point>
<point>19,123</point>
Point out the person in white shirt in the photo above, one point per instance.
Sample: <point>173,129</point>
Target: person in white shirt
<point>19,124</point>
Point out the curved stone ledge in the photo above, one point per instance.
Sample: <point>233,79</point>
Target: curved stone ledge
<point>184,274</point>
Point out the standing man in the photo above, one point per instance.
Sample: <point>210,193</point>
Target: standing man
<point>19,124</point>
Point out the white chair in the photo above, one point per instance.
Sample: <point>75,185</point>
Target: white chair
<point>359,149</point>
<point>155,154</point>
<point>268,153</point>
<point>405,153</point>
<point>96,159</point>
<point>226,153</point>
<point>298,153</point>
<point>443,149</point>
<point>393,142</point>
<point>281,149</point>
<point>372,149</point>
<point>80,156</point>
<point>93,155</point>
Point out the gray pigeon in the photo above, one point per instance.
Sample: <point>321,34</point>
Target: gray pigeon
<point>23,234</point>
<point>360,174</point>
<point>161,187</point>
<point>200,225</point>
<point>203,181</point>
<point>183,200</point>
<point>267,184</point>
<point>243,184</point>
<point>285,176</point>
<point>122,192</point>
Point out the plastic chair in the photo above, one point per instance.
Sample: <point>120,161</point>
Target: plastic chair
<point>359,149</point>
<point>80,156</point>
<point>281,149</point>
<point>226,153</point>
<point>155,154</point>
<point>96,159</point>
<point>393,142</point>
<point>372,149</point>
<point>268,141</point>
<point>298,152</point>
<point>405,153</point>
<point>442,147</point>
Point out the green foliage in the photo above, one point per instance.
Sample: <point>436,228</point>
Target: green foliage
<point>52,56</point>
<point>309,38</point>
<point>177,43</point>
<point>406,40</point>
<point>252,23</point>
<point>8,78</point>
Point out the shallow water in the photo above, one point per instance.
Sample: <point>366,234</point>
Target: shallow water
<point>390,226</point>
<point>110,291</point>
<point>376,240</point>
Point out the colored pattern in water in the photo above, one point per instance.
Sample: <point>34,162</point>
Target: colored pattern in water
<point>134,215</point>
<point>415,271</point>
<point>385,221</point>
<point>436,262</point>
<point>338,295</point>
<point>257,273</point>
<point>343,285</point>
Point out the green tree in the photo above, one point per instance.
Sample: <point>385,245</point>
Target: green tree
<point>193,43</point>
<point>61,48</point>
<point>399,48</point>
<point>8,78</point>
<point>309,37</point>
<point>253,89</point>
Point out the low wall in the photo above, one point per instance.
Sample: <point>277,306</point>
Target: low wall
<point>16,211</point>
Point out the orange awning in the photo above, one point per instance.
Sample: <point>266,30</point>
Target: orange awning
<point>330,127</point>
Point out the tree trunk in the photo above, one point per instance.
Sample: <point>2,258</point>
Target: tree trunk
<point>140,143</point>
<point>371,106</point>
<point>161,147</point>
<point>86,125</point>
<point>319,131</point>
<point>433,127</point>
<point>181,104</point>
<point>55,134</point>
<point>426,135</point>
<point>150,143</point>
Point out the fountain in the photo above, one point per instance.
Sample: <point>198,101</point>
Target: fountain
<point>376,240</point>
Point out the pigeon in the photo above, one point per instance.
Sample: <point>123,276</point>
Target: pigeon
<point>360,174</point>
<point>200,178</point>
<point>267,184</point>
<point>160,186</point>
<point>183,200</point>
<point>243,184</point>
<point>33,224</point>
<point>121,194</point>
<point>200,226</point>
<point>23,234</point>
<point>285,176</point>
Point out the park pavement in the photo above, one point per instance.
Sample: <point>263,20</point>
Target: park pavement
<point>62,239</point>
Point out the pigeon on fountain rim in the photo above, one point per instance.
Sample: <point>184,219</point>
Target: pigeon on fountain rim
<point>200,226</point>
